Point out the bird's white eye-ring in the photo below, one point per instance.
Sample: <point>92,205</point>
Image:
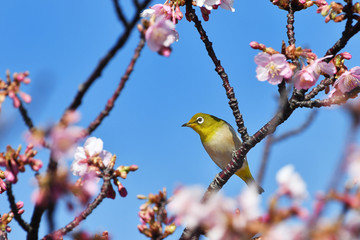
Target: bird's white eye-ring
<point>200,120</point>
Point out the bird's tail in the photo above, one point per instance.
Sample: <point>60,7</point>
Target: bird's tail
<point>245,174</point>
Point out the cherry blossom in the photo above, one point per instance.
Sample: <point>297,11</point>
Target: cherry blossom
<point>219,216</point>
<point>160,35</point>
<point>272,68</point>
<point>308,76</point>
<point>227,5</point>
<point>208,4</point>
<point>291,183</point>
<point>348,80</point>
<point>93,147</point>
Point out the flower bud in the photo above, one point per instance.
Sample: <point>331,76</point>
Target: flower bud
<point>346,55</point>
<point>133,167</point>
<point>21,211</point>
<point>19,204</point>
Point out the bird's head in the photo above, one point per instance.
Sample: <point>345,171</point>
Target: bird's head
<point>204,124</point>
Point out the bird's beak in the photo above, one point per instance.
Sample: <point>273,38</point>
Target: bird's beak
<point>185,125</point>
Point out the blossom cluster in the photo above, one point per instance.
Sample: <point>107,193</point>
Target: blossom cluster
<point>6,218</point>
<point>275,68</point>
<point>160,28</point>
<point>333,11</point>
<point>11,88</point>
<point>242,218</point>
<point>14,162</point>
<point>90,162</point>
<point>154,219</point>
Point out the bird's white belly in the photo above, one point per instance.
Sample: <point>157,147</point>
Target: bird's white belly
<point>221,154</point>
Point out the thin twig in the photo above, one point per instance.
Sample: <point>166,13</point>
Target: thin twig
<point>220,70</point>
<point>338,100</point>
<point>106,59</point>
<point>297,130</point>
<point>322,85</point>
<point>136,3</point>
<point>120,13</point>
<point>348,33</point>
<point>35,223</point>
<point>84,214</point>
<point>273,139</point>
<point>39,209</point>
<point>265,159</point>
<point>337,174</point>
<point>290,25</point>
<point>25,116</point>
<point>124,78</point>
<point>14,209</point>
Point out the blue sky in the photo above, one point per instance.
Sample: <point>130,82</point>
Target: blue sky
<point>60,43</point>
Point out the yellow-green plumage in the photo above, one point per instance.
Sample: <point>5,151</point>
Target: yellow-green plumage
<point>220,141</point>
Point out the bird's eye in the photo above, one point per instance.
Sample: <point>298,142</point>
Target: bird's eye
<point>200,120</point>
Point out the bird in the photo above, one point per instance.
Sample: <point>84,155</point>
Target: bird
<point>220,141</point>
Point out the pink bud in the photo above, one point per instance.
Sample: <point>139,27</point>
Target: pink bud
<point>346,55</point>
<point>26,97</point>
<point>16,101</point>
<point>19,204</point>
<point>141,228</point>
<point>8,229</point>
<point>19,77</point>
<point>2,186</point>
<point>165,51</point>
<point>122,190</point>
<point>27,80</point>
<point>133,167</point>
<point>29,147</point>
<point>11,94</point>
<point>36,164</point>
<point>10,177</point>
<point>254,44</point>
<point>21,211</point>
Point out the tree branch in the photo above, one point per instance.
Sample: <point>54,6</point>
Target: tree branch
<point>136,3</point>
<point>290,25</point>
<point>106,59</point>
<point>338,100</point>
<point>84,214</point>
<point>348,33</point>
<point>14,209</point>
<point>120,14</point>
<point>220,70</point>
<point>124,78</point>
<point>322,85</point>
<point>25,116</point>
<point>297,130</point>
